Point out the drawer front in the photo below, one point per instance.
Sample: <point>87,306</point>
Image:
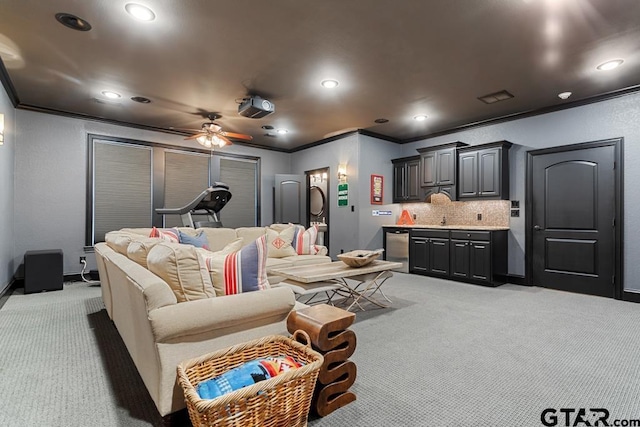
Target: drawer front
<point>484,236</point>
<point>438,234</point>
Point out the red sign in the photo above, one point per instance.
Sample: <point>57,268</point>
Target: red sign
<point>377,189</point>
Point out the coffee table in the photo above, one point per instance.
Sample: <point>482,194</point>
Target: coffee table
<point>357,283</point>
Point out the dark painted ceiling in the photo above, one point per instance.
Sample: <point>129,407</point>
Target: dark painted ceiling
<point>393,59</point>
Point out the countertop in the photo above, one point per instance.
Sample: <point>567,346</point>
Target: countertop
<point>450,227</point>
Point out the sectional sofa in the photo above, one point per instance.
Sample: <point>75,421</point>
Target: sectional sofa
<point>158,294</point>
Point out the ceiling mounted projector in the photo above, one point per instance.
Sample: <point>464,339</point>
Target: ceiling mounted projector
<point>256,107</point>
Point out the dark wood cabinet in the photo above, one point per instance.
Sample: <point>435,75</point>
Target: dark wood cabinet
<point>429,252</point>
<point>406,180</point>
<point>483,171</point>
<point>438,169</point>
<point>476,256</point>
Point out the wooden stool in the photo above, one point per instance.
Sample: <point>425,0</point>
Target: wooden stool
<point>327,327</point>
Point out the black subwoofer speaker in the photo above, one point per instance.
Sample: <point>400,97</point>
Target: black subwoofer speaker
<point>43,271</point>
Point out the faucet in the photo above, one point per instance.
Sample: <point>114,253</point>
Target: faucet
<point>444,220</point>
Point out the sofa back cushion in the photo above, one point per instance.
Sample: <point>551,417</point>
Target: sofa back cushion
<point>250,234</point>
<point>183,269</point>
<point>219,237</point>
<point>240,271</point>
<point>119,240</point>
<point>279,244</point>
<point>138,249</point>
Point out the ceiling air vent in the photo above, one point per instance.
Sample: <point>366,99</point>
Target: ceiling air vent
<point>496,97</point>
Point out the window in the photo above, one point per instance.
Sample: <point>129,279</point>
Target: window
<point>129,179</point>
<point>122,187</point>
<point>241,176</point>
<point>186,175</point>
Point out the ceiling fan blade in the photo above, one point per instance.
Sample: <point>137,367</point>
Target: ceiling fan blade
<point>237,136</point>
<point>226,140</point>
<point>196,135</point>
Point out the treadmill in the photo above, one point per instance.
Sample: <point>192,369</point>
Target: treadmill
<point>210,202</point>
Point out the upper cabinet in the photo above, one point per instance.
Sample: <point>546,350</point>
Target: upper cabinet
<point>484,171</point>
<point>406,180</point>
<point>438,169</point>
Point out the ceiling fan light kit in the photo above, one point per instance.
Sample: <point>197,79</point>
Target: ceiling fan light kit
<point>211,135</point>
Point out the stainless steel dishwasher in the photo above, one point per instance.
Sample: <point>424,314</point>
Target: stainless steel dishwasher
<point>397,247</point>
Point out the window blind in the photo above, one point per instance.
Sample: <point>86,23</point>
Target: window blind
<point>186,176</point>
<point>122,187</point>
<point>241,177</point>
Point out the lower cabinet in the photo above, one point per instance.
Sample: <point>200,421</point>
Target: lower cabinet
<point>466,255</point>
<point>429,252</point>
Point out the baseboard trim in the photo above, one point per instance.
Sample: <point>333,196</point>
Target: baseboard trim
<point>631,296</point>
<point>513,279</point>
<point>6,292</point>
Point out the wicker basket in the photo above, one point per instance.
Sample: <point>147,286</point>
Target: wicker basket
<point>280,401</point>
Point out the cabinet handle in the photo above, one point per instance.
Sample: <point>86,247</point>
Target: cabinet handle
<point>537,227</point>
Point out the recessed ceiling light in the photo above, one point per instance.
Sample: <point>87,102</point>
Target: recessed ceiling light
<point>420,117</point>
<point>73,22</point>
<point>564,95</point>
<point>381,120</point>
<point>610,65</point>
<point>140,12</point>
<point>329,83</point>
<point>282,131</point>
<point>141,99</point>
<point>111,95</point>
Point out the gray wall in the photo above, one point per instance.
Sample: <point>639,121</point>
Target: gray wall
<point>51,173</point>
<point>375,158</point>
<point>617,117</point>
<point>364,156</point>
<point>7,191</point>
<point>343,224</point>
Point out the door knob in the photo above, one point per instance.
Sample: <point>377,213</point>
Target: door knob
<point>537,227</point>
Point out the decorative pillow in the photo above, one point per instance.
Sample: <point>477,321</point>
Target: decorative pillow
<point>304,242</point>
<point>139,249</point>
<point>199,241</point>
<point>169,234</point>
<point>241,271</point>
<point>279,243</point>
<point>233,246</point>
<point>184,270</point>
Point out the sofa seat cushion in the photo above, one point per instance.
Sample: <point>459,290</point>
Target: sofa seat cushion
<point>184,270</point>
<point>219,237</point>
<point>279,262</point>
<point>298,260</point>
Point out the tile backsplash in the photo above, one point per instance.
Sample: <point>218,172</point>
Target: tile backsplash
<point>494,212</point>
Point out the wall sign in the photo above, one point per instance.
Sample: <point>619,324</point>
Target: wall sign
<point>376,189</point>
<point>343,194</point>
<point>380,213</point>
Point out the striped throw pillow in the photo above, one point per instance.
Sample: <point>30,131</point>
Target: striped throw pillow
<point>304,241</point>
<point>168,234</point>
<point>241,271</point>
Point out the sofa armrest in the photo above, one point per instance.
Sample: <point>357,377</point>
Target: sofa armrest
<point>322,250</point>
<point>206,315</point>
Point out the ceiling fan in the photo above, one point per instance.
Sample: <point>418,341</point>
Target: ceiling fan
<point>211,135</point>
